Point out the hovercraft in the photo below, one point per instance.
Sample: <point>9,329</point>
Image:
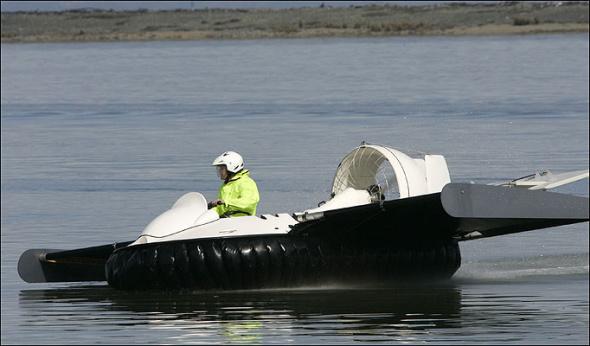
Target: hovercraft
<point>390,217</point>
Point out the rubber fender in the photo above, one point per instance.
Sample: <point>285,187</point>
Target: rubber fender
<point>275,261</point>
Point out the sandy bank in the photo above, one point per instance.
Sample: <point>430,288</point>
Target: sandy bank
<point>355,21</point>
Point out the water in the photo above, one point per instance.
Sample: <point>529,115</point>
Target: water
<point>99,138</point>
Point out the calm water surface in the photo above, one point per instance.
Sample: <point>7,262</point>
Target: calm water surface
<point>99,138</point>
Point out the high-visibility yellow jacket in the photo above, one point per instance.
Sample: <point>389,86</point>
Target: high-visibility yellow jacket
<point>239,195</point>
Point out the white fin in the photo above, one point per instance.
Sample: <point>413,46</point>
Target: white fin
<point>546,180</point>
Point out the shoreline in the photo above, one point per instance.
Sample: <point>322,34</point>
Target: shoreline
<point>175,37</point>
<point>355,21</point>
<point>491,30</point>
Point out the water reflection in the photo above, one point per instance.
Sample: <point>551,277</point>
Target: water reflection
<point>400,313</point>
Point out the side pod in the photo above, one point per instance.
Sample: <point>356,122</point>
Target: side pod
<point>488,211</point>
<point>50,265</point>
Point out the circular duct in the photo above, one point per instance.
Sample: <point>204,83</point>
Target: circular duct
<point>382,170</point>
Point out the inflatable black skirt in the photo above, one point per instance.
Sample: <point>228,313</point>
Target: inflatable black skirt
<point>275,261</point>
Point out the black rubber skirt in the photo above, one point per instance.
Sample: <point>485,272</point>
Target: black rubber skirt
<point>276,261</point>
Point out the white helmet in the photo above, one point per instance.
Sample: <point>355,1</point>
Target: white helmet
<point>232,160</point>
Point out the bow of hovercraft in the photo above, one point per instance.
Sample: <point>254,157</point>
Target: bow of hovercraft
<point>189,218</point>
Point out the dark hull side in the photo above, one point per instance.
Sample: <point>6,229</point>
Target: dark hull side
<point>277,261</point>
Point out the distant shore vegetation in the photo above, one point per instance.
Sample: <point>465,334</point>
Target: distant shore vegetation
<point>501,18</point>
